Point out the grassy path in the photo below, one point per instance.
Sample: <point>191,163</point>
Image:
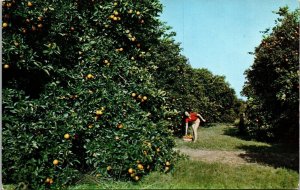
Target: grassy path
<point>222,144</point>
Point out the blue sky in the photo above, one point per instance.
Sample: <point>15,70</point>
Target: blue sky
<point>218,34</point>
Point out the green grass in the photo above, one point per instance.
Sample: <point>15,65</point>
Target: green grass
<point>200,175</point>
<point>213,138</point>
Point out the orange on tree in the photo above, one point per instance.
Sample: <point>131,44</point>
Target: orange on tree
<point>140,167</point>
<point>47,180</point>
<point>66,136</point>
<point>6,66</point>
<point>51,181</point>
<point>108,168</point>
<point>145,98</point>
<point>90,126</point>
<point>99,112</point>
<point>29,4</point>
<point>55,162</point>
<point>4,25</point>
<point>130,171</point>
<point>40,25</point>
<point>168,163</point>
<point>120,126</point>
<point>90,76</point>
<point>136,178</point>
<point>133,94</point>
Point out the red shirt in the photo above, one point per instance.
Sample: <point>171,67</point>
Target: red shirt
<point>193,117</point>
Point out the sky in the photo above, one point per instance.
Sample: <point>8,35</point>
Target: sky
<point>218,34</point>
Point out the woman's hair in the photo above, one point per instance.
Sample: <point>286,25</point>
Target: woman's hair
<point>188,109</point>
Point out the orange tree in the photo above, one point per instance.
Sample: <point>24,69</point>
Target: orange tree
<point>272,85</point>
<point>188,87</point>
<point>78,94</point>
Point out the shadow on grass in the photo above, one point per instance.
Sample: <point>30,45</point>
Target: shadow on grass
<point>275,155</point>
<point>234,132</point>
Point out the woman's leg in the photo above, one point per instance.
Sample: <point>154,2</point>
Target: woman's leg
<point>195,129</point>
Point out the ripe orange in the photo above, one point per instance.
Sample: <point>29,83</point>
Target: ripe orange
<point>130,11</point>
<point>167,168</point>
<point>29,4</point>
<point>99,112</point>
<point>133,94</point>
<point>40,25</point>
<point>55,162</point>
<point>117,138</point>
<point>130,171</point>
<point>138,12</point>
<point>90,76</point>
<point>90,126</point>
<point>140,167</point>
<point>47,180</point>
<point>115,18</point>
<point>168,164</point>
<point>158,150</point>
<point>145,98</point>
<point>136,178</point>
<point>116,13</point>
<point>105,61</point>
<point>6,66</point>
<point>66,136</point>
<point>108,168</point>
<point>120,126</point>
<point>4,25</point>
<point>51,181</point>
<point>40,18</point>
<point>115,3</point>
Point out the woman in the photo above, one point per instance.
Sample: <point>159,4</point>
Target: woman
<point>194,119</point>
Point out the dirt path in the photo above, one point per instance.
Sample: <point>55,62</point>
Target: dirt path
<point>229,157</point>
<point>243,157</point>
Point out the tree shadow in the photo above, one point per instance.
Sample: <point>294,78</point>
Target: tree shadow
<point>275,155</point>
<point>234,132</point>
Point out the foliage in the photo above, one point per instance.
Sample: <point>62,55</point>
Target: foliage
<point>187,87</point>
<point>272,85</point>
<point>78,94</point>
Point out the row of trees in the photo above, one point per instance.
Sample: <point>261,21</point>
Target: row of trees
<point>188,87</point>
<point>95,86</point>
<point>272,85</point>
